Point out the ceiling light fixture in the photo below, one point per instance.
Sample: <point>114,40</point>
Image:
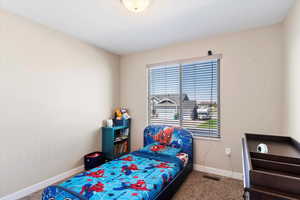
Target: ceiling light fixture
<point>136,5</point>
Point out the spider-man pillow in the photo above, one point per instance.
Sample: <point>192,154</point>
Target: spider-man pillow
<point>162,149</point>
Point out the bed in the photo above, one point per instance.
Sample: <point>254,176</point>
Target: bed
<point>154,172</point>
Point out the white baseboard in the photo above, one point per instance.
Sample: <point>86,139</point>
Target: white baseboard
<point>41,185</point>
<point>220,172</point>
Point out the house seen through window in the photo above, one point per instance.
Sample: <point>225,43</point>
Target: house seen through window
<point>186,95</point>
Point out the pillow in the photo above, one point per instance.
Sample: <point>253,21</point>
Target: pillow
<point>162,149</point>
<point>184,157</point>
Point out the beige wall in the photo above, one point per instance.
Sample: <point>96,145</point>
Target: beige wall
<point>54,93</point>
<point>251,89</point>
<point>56,90</point>
<point>292,72</point>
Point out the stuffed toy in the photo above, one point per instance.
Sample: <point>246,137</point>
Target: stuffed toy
<point>124,113</point>
<point>118,114</point>
<point>123,110</point>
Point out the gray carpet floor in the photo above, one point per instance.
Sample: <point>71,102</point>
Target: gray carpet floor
<point>196,187</point>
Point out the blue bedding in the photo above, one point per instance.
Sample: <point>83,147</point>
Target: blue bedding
<point>139,175</point>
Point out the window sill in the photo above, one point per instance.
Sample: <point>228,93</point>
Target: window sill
<point>207,138</point>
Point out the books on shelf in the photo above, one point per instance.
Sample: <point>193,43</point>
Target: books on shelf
<point>126,132</point>
<point>121,148</point>
<point>120,138</point>
<point>121,135</point>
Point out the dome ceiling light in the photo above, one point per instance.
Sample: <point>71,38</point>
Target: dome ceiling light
<point>136,5</point>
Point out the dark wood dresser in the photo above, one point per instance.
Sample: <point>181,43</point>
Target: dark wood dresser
<point>274,175</point>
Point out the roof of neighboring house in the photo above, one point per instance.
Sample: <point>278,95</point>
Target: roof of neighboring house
<point>171,99</point>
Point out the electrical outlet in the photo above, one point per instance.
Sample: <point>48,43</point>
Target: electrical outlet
<point>228,151</point>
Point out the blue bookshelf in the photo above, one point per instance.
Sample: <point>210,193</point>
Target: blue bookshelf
<point>116,140</point>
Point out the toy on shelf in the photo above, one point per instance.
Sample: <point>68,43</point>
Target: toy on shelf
<point>118,114</point>
<point>125,114</point>
<point>121,113</point>
<point>121,117</point>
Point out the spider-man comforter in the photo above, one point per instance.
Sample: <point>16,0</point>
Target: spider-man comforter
<point>139,175</point>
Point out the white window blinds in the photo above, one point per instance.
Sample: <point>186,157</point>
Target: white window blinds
<point>186,95</point>
<point>164,90</point>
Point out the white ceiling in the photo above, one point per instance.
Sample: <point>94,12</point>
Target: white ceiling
<point>107,24</point>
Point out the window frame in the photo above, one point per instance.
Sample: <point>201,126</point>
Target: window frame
<point>182,62</point>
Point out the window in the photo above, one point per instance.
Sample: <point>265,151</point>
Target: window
<point>186,94</point>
